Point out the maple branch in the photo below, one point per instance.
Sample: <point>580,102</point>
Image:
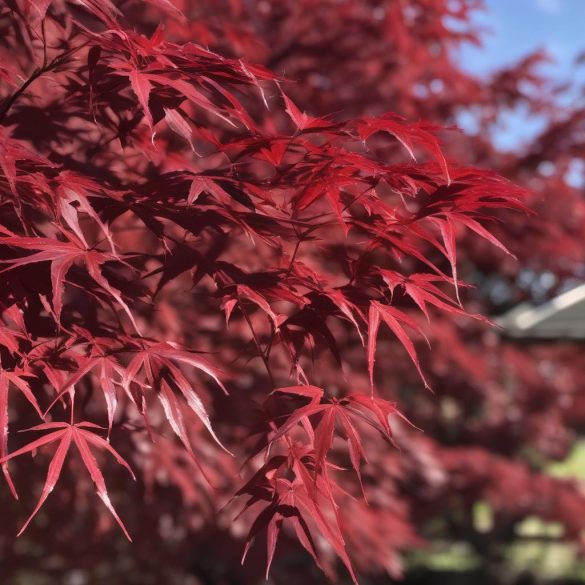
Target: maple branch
<point>258,347</point>
<point>293,257</point>
<point>38,72</point>
<point>9,101</point>
<point>44,37</point>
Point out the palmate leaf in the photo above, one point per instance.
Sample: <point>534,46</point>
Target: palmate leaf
<point>73,193</point>
<point>347,308</point>
<point>421,288</point>
<point>158,360</point>
<point>303,499</point>
<point>396,320</point>
<point>245,292</point>
<point>141,86</point>
<point>303,121</point>
<point>411,136</point>
<point>108,369</point>
<point>9,339</point>
<point>62,256</point>
<point>447,228</point>
<point>64,436</point>
<point>179,125</point>
<point>13,151</point>
<point>290,501</point>
<point>16,379</point>
<point>334,416</point>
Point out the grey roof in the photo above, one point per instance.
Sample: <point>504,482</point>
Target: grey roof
<point>560,318</point>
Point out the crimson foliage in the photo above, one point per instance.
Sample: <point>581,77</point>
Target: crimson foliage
<point>172,228</point>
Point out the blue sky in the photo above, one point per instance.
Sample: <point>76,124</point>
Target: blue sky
<point>518,27</point>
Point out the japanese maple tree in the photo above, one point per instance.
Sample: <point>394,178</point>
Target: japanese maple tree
<point>215,277</point>
<point>501,413</point>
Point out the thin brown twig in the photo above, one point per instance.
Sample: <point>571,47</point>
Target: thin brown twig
<point>38,72</point>
<point>258,347</point>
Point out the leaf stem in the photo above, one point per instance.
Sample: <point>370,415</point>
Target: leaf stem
<point>258,347</point>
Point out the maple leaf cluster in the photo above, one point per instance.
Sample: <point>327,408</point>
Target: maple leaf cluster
<point>201,272</point>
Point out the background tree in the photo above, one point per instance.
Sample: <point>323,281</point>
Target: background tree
<point>154,189</point>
